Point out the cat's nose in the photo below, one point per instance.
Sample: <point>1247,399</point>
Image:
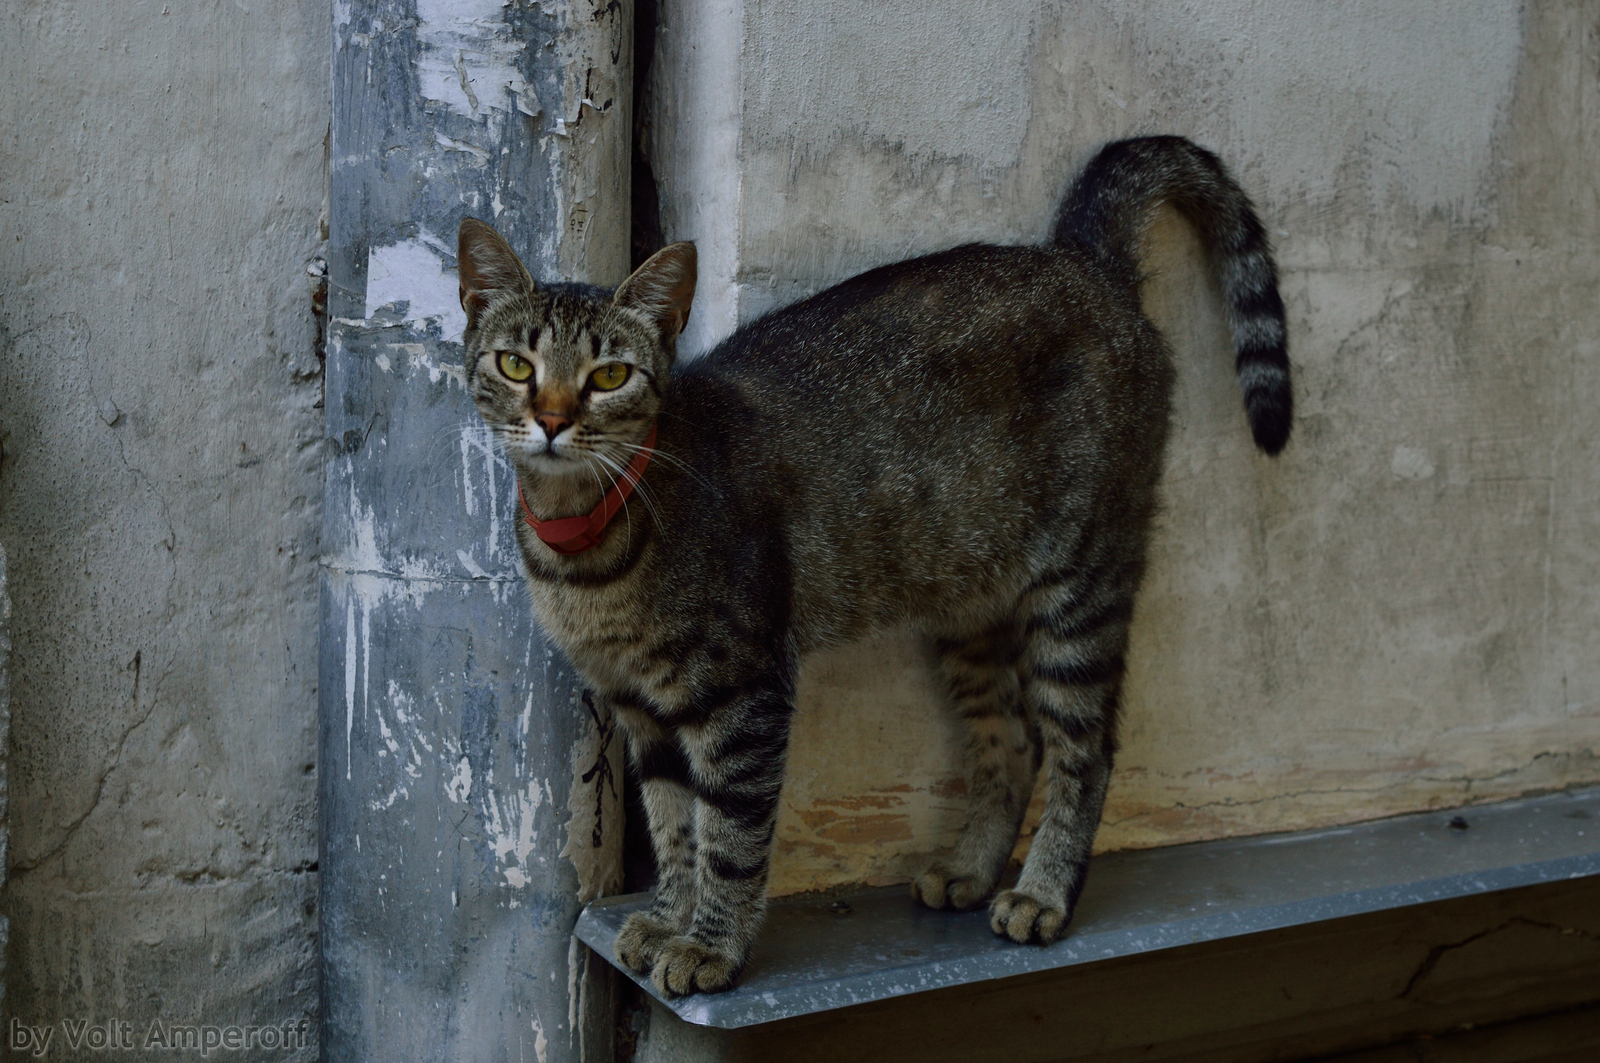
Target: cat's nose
<point>552,423</point>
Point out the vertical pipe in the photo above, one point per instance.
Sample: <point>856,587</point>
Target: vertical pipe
<point>467,791</point>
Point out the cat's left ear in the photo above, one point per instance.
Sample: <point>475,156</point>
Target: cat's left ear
<point>663,288</point>
<point>486,264</point>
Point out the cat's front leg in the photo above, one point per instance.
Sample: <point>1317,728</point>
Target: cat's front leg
<point>736,757</point>
<point>663,773</point>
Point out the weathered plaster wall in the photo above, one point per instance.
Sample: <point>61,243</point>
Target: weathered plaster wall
<point>161,180</point>
<point>5,759</point>
<point>1398,613</point>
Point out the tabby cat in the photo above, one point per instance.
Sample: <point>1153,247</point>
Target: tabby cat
<point>967,443</point>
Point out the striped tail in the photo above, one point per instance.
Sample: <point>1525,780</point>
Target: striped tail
<point>1107,210</point>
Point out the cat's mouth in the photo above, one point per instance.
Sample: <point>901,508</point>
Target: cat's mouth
<point>556,457</point>
<point>537,446</point>
<point>545,452</point>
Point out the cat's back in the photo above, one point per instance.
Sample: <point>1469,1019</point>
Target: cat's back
<point>916,424</point>
<point>939,308</point>
<point>974,352</point>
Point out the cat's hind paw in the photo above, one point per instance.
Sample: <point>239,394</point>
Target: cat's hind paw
<point>939,887</point>
<point>1016,915</point>
<point>685,966</point>
<point>640,940</point>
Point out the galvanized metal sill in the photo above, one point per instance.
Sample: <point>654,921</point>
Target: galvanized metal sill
<point>820,954</point>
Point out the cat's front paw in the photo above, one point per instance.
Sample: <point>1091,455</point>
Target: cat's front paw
<point>939,887</point>
<point>640,940</point>
<point>1022,918</point>
<point>686,966</point>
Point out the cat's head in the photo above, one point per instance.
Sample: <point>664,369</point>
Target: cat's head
<point>569,378</point>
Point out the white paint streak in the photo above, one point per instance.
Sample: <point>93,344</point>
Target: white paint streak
<point>491,459</point>
<point>476,440</point>
<point>389,742</point>
<point>349,678</point>
<point>469,498</point>
<point>362,522</point>
<point>418,577</point>
<point>366,652</point>
<point>574,958</point>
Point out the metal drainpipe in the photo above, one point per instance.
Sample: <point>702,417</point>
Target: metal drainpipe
<point>467,792</point>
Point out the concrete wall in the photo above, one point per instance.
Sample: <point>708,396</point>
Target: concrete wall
<point>161,178</point>
<point>5,759</point>
<point>1399,613</point>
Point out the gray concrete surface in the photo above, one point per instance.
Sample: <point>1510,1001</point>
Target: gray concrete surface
<point>1399,613</point>
<point>161,180</point>
<point>5,760</point>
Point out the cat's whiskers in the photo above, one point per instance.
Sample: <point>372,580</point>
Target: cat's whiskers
<point>609,463</point>
<point>626,515</point>
<point>638,485</point>
<point>601,485</point>
<point>671,459</point>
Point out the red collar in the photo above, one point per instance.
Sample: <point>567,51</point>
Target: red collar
<point>574,535</point>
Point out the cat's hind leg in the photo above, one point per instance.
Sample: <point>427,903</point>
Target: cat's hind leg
<point>1000,762</point>
<point>1072,666</point>
<point>663,772</point>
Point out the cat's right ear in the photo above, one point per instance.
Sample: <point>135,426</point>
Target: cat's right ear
<point>486,264</point>
<point>663,288</point>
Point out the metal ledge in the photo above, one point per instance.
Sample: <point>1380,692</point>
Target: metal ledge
<point>817,954</point>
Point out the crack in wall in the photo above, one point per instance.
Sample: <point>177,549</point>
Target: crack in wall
<point>23,867</point>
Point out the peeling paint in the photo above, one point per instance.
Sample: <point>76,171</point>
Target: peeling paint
<point>459,787</point>
<point>509,820</point>
<point>412,274</point>
<point>468,59</point>
<point>452,144</point>
<point>592,129</point>
<point>541,1044</point>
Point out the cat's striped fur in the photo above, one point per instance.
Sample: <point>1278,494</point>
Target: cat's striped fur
<point>967,442</point>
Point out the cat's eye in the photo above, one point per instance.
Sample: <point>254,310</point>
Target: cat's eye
<point>515,367</point>
<point>611,376</point>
